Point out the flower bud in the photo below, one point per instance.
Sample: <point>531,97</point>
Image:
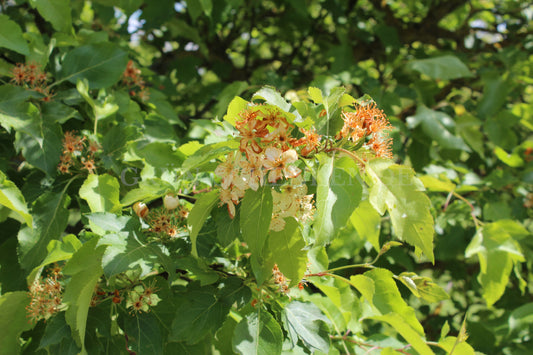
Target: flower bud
<point>171,202</point>
<point>141,209</point>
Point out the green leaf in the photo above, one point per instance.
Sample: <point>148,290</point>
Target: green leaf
<point>305,321</point>
<point>13,321</point>
<point>497,252</point>
<point>85,269</point>
<point>12,198</point>
<point>144,336</point>
<point>463,348</point>
<point>423,287</point>
<point>338,194</point>
<point>259,334</point>
<point>15,112</point>
<point>256,214</point>
<point>125,252</point>
<point>228,229</point>
<point>367,222</point>
<point>286,249</point>
<point>387,299</point>
<point>50,217</point>
<point>57,12</point>
<point>11,36</point>
<point>316,95</point>
<point>513,160</point>
<point>228,96</point>
<point>148,190</point>
<point>101,193</point>
<point>272,97</point>
<point>198,215</point>
<point>396,189</point>
<point>521,318</point>
<point>208,153</point>
<point>433,184</point>
<point>445,67</point>
<point>235,107</point>
<point>406,331</point>
<point>438,126</point>
<point>101,64</point>
<point>198,313</point>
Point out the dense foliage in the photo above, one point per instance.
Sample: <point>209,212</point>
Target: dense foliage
<point>266,177</point>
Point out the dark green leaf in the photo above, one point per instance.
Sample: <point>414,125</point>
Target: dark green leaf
<point>305,321</point>
<point>259,334</point>
<point>256,214</point>
<point>198,215</point>
<point>11,36</point>
<point>57,12</point>
<point>144,336</point>
<point>445,67</point>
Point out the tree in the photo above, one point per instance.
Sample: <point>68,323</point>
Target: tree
<point>237,176</point>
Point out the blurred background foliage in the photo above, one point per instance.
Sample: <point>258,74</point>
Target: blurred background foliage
<point>453,76</point>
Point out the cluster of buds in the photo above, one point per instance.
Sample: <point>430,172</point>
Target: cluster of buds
<point>267,152</point>
<point>46,298</point>
<point>280,280</point>
<point>165,221</point>
<point>78,153</point>
<point>141,298</point>
<point>368,125</point>
<point>31,77</point>
<point>133,79</point>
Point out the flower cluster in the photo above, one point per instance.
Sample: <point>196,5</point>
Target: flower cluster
<point>141,298</point>
<point>164,222</point>
<point>368,123</point>
<point>266,152</point>
<point>291,201</point>
<point>133,79</point>
<point>31,77</point>
<point>280,280</point>
<point>46,297</point>
<point>78,153</point>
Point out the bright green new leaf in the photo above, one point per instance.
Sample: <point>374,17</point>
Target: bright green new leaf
<point>101,193</point>
<point>207,153</point>
<point>305,321</point>
<point>236,106</point>
<point>387,298</point>
<point>463,348</point>
<point>101,64</point>
<point>148,190</point>
<point>438,126</point>
<point>513,160</point>
<point>316,95</point>
<point>338,194</point>
<point>50,217</point>
<point>14,321</point>
<point>57,12</point>
<point>286,249</point>
<point>85,269</point>
<point>198,215</point>
<point>11,36</point>
<point>258,334</point>
<point>433,184</point>
<point>497,252</point>
<point>406,331</point>
<point>367,222</point>
<point>12,198</point>
<point>256,214</point>
<point>423,287</point>
<point>396,189</point>
<point>365,286</point>
<point>444,68</point>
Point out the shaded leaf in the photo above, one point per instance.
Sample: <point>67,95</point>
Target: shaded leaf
<point>256,214</point>
<point>446,67</point>
<point>306,322</point>
<point>198,215</point>
<point>258,333</point>
<point>57,12</point>
<point>11,36</point>
<point>12,198</point>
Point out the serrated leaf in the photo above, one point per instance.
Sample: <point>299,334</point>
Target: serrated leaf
<point>85,269</point>
<point>13,321</point>
<point>387,298</point>
<point>497,252</point>
<point>198,314</point>
<point>272,97</point>
<point>208,153</point>
<point>438,126</point>
<point>101,193</point>
<point>367,222</point>
<point>144,336</point>
<point>306,322</point>
<point>396,189</point>
<point>446,67</point>
<point>256,214</point>
<point>338,194</point>
<point>57,12</point>
<point>12,198</point>
<point>101,64</point>
<point>11,36</point>
<point>406,331</point>
<point>285,248</point>
<point>50,217</point>
<point>259,334</point>
<point>198,215</point>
